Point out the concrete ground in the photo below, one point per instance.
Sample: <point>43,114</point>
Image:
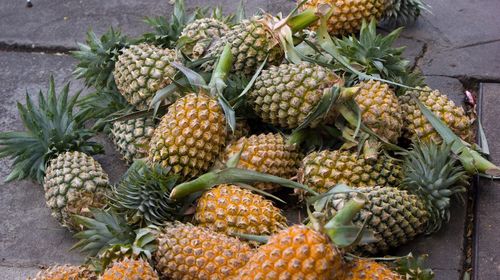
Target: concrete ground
<point>456,45</point>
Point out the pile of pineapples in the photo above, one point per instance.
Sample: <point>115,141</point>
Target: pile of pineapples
<point>230,122</point>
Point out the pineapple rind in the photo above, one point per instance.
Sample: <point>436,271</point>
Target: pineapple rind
<point>361,269</point>
<point>130,269</point>
<point>201,33</point>
<point>130,136</point>
<point>64,272</point>
<point>74,183</point>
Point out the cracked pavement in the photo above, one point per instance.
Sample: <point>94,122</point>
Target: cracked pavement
<point>457,43</point>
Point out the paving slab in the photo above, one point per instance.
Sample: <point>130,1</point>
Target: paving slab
<point>487,238</point>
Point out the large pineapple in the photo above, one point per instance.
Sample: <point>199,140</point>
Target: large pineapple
<point>348,15</point>
<point>285,95</point>
<point>198,36</point>
<point>297,252</point>
<point>419,205</point>
<point>130,269</point>
<point>380,110</point>
<point>323,170</point>
<point>231,209</point>
<point>266,153</point>
<point>74,182</point>
<point>189,252</point>
<point>55,151</point>
<point>131,137</point>
<point>416,124</point>
<point>141,70</point>
<point>361,269</point>
<point>65,272</point>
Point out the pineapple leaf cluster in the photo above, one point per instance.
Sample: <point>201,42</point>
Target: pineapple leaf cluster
<point>51,128</point>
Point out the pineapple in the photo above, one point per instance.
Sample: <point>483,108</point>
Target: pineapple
<point>416,124</point>
<point>193,132</point>
<point>266,153</point>
<point>141,70</point>
<point>131,137</point>
<point>55,150</point>
<point>297,252</point>
<point>189,252</point>
<point>65,272</point>
<point>360,269</point>
<point>380,110</point>
<point>198,35</point>
<point>231,209</point>
<point>285,95</point>
<point>420,205</point>
<point>73,183</point>
<point>348,15</point>
<point>323,170</point>
<point>130,269</point>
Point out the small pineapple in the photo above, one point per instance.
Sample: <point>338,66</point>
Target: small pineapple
<point>348,15</point>
<point>360,269</point>
<point>297,252</point>
<point>231,209</point>
<point>285,95</point>
<point>189,252</point>
<point>65,272</point>
<point>131,137</point>
<point>380,110</point>
<point>416,124</point>
<point>74,182</point>
<point>266,153</point>
<point>198,36</point>
<point>323,170</point>
<point>141,70</point>
<point>130,269</point>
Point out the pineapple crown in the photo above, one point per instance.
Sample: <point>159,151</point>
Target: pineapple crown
<point>433,173</point>
<point>50,129</point>
<point>143,195</point>
<point>107,237</point>
<point>403,12</point>
<point>373,53</point>
<point>96,58</point>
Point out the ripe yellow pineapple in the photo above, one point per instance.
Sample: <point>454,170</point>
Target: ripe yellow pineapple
<point>130,269</point>
<point>141,70</point>
<point>189,252</point>
<point>65,272</point>
<point>231,209</point>
<point>416,124</point>
<point>360,269</point>
<point>266,153</point>
<point>380,109</point>
<point>325,169</point>
<point>297,252</point>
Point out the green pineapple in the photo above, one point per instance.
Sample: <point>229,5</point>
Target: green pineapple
<point>131,137</point>
<point>55,151</point>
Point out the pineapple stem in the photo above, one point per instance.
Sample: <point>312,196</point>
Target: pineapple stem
<point>474,162</point>
<point>231,176</point>
<point>346,214</point>
<point>302,20</point>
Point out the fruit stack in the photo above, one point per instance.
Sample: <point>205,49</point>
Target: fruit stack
<point>228,124</point>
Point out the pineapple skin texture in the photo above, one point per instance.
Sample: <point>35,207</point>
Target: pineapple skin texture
<point>395,216</point>
<point>189,252</point>
<point>266,153</point>
<point>380,110</point>
<point>141,70</point>
<point>190,136</point>
<point>297,252</point>
<point>360,269</point>
<point>416,124</point>
<point>130,269</point>
<point>323,170</point>
<point>285,95</point>
<point>65,272</point>
<point>74,182</point>
<point>130,135</point>
<point>231,209</point>
<point>202,32</point>
<point>348,15</point>
<point>250,42</point>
